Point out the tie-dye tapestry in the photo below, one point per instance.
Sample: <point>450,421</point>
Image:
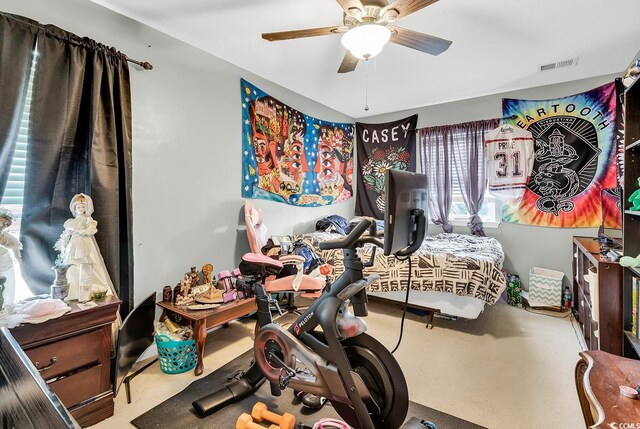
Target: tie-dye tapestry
<point>575,158</point>
<point>291,157</point>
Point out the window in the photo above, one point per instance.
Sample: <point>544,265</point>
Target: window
<point>491,211</point>
<point>14,191</point>
<point>448,143</point>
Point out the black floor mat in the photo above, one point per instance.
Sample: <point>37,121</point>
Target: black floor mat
<point>177,412</point>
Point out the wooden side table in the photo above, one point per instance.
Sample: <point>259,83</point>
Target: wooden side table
<point>203,320</point>
<point>73,355</point>
<point>598,377</point>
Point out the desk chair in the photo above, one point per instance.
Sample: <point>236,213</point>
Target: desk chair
<point>307,286</point>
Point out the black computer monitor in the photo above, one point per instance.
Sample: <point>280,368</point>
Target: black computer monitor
<point>406,201</point>
<point>134,338</point>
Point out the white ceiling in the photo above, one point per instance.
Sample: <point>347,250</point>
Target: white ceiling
<point>498,45</point>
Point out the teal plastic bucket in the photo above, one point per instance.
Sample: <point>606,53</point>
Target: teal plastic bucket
<point>176,356</point>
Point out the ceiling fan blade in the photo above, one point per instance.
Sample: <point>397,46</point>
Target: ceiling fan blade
<point>407,7</point>
<point>309,32</point>
<point>349,63</point>
<point>420,41</point>
<point>350,4</point>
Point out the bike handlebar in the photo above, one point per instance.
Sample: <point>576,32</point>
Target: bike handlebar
<point>348,241</point>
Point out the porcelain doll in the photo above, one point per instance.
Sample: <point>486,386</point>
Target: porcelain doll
<point>77,245</point>
<point>9,245</point>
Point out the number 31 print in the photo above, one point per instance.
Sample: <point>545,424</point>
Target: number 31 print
<point>503,169</point>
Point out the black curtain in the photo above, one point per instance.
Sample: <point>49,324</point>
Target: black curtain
<point>17,42</point>
<point>80,141</point>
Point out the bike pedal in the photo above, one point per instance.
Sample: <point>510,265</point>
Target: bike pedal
<point>284,379</point>
<point>275,389</point>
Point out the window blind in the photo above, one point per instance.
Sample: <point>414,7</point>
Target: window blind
<point>14,191</point>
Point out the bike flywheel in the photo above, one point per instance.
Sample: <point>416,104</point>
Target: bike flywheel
<point>386,396</point>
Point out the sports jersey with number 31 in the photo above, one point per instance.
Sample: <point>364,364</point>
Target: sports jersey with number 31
<point>509,155</point>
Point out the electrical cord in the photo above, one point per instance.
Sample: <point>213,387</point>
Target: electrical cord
<point>406,303</point>
<point>581,343</point>
<point>544,313</point>
<point>568,314</point>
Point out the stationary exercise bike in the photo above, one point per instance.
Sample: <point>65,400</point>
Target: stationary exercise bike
<point>339,361</point>
<point>354,371</point>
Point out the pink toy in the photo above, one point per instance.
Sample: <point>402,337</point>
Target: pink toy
<point>229,294</point>
<point>235,274</point>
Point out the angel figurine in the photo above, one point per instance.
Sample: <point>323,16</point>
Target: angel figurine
<point>9,245</point>
<point>77,245</point>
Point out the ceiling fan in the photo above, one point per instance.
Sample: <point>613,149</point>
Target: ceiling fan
<point>367,27</point>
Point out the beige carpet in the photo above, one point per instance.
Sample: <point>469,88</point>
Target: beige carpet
<point>508,369</point>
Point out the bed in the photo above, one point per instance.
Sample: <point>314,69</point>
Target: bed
<point>454,274</point>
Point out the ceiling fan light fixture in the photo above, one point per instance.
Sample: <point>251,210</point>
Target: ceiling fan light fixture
<point>367,40</point>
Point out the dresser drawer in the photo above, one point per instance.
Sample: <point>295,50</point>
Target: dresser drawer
<point>64,356</point>
<point>78,387</point>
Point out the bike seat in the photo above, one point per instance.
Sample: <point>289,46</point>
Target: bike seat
<point>256,264</point>
<point>305,284</point>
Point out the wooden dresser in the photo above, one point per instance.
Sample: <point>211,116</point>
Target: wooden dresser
<point>599,312</point>
<point>598,377</point>
<point>73,355</point>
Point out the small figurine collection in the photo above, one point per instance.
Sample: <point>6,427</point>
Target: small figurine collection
<point>79,268</point>
<point>202,290</point>
<point>80,271</point>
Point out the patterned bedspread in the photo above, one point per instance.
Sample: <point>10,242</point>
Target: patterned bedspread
<point>460,264</point>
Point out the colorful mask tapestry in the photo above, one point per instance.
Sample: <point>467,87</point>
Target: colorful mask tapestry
<point>575,158</point>
<point>291,157</point>
<point>381,147</point>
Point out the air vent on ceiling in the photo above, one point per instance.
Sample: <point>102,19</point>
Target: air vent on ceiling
<point>565,63</point>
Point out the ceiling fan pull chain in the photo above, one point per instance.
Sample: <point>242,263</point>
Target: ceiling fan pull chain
<point>366,85</point>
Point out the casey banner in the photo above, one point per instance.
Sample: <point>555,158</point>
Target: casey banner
<point>291,157</point>
<point>381,147</point>
<point>575,158</point>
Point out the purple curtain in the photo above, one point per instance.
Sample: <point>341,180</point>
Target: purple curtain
<point>455,152</point>
<point>435,160</point>
<point>467,144</point>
